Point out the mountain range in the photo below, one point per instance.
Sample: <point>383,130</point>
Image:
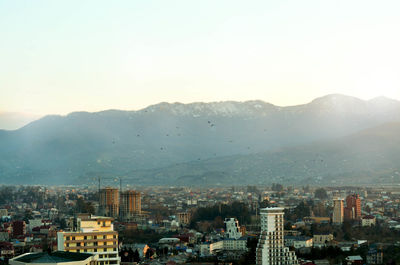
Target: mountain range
<point>331,140</point>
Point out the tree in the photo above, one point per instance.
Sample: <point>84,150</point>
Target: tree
<point>264,204</point>
<point>84,207</point>
<point>136,256</point>
<point>320,193</point>
<point>149,253</point>
<point>218,222</point>
<point>320,210</point>
<point>63,223</point>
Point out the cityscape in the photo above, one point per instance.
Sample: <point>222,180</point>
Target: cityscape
<point>183,225</point>
<point>228,132</point>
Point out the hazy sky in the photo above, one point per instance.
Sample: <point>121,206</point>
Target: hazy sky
<point>63,56</point>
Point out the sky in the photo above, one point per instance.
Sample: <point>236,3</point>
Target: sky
<point>62,56</point>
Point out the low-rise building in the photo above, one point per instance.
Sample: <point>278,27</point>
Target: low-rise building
<point>18,228</point>
<point>6,250</point>
<point>354,260</point>
<point>184,217</point>
<point>239,244</point>
<point>298,241</point>
<point>321,240</point>
<point>368,220</point>
<point>316,220</point>
<point>374,257</point>
<point>58,257</point>
<point>210,248</point>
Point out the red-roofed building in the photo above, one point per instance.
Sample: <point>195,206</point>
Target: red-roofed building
<point>6,250</point>
<point>18,228</point>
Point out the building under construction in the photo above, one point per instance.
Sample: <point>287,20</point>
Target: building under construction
<point>109,202</point>
<point>130,204</point>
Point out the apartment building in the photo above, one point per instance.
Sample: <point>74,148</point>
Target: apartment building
<point>130,204</point>
<point>109,202</point>
<point>232,228</point>
<point>338,211</point>
<point>271,249</point>
<point>353,207</point>
<point>92,234</point>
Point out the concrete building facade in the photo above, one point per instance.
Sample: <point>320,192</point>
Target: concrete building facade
<point>130,204</point>
<point>271,249</point>
<point>353,207</point>
<point>109,202</point>
<point>368,220</point>
<point>232,228</point>
<point>93,234</point>
<point>338,211</point>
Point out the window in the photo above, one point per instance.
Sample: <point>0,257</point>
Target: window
<point>78,244</point>
<point>85,237</point>
<point>105,250</point>
<point>104,223</point>
<point>67,244</point>
<point>95,250</point>
<point>68,238</point>
<point>114,236</point>
<point>95,237</point>
<point>73,238</point>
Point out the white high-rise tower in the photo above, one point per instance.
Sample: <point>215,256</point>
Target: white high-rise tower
<point>271,249</point>
<point>338,212</point>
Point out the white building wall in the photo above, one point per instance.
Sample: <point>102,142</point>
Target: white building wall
<point>232,228</point>
<point>270,248</point>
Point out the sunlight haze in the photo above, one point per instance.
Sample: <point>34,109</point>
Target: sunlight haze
<point>64,56</point>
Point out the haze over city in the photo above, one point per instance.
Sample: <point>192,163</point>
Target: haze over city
<point>166,132</point>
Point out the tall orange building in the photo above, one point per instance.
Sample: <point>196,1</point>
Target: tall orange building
<point>353,207</point>
<point>109,201</point>
<point>130,204</point>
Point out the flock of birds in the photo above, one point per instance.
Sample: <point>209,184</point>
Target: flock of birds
<point>162,148</point>
<point>211,125</point>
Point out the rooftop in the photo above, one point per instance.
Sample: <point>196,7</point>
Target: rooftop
<point>89,217</point>
<point>55,257</point>
<point>272,209</point>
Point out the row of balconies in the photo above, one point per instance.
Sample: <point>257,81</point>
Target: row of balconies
<point>91,240</point>
<point>92,247</point>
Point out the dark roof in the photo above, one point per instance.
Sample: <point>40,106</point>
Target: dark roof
<point>55,257</point>
<point>368,217</point>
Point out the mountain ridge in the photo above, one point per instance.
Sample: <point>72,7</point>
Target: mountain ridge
<point>381,157</point>
<point>57,149</point>
<point>257,104</point>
